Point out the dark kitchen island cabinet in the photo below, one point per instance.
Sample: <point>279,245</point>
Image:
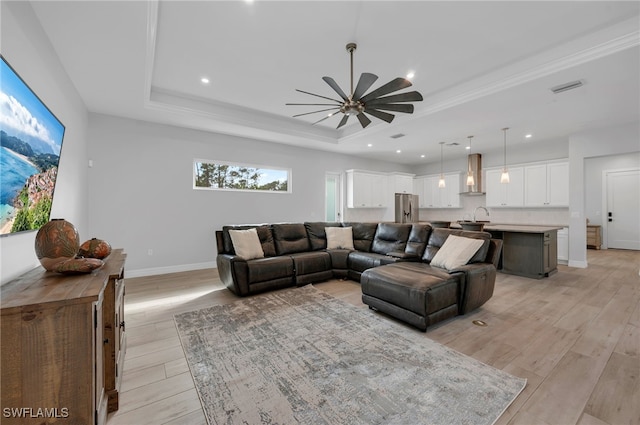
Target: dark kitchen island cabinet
<point>529,251</point>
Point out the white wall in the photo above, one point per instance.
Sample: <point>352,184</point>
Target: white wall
<point>619,140</point>
<point>593,169</point>
<point>142,194</point>
<point>28,50</point>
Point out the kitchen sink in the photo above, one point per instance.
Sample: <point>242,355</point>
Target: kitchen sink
<point>476,226</point>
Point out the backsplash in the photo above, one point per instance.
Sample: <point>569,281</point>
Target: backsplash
<point>550,216</point>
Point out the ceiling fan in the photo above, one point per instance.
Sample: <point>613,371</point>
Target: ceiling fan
<point>359,104</point>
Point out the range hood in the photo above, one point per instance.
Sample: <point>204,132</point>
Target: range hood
<point>474,163</point>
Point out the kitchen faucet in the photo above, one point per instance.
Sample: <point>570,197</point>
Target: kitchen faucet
<point>476,210</point>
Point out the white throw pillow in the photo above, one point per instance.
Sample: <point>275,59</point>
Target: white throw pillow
<point>339,237</point>
<point>246,243</point>
<point>456,251</point>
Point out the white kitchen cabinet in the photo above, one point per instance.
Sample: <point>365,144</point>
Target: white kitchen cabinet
<point>450,194</point>
<point>432,196</point>
<point>402,183</point>
<point>505,194</point>
<point>366,189</point>
<point>546,185</point>
<point>558,184</point>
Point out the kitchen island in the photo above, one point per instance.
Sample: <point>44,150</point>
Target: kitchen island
<point>527,250</point>
<point>530,251</point>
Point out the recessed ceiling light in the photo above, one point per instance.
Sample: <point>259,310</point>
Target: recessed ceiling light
<point>410,75</point>
<point>467,147</point>
<point>421,156</point>
<point>204,80</point>
<point>369,145</point>
<point>528,136</point>
<point>398,151</point>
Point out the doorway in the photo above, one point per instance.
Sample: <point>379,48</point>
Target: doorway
<point>621,198</point>
<point>333,197</point>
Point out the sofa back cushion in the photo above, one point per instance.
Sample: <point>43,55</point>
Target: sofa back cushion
<point>290,238</point>
<point>317,235</point>
<point>363,234</point>
<point>439,235</point>
<point>264,234</point>
<point>390,237</point>
<point>418,238</point>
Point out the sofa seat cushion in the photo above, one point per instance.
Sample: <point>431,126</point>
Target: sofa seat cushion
<point>361,261</point>
<point>339,258</point>
<point>412,286</point>
<point>269,268</point>
<point>311,262</point>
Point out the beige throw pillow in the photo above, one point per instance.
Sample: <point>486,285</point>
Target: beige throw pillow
<point>246,243</point>
<point>455,252</point>
<point>339,237</point>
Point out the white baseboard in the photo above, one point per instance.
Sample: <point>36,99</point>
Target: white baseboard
<point>170,269</point>
<point>578,264</point>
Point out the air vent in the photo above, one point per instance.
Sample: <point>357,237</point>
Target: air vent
<point>567,86</point>
<point>397,136</point>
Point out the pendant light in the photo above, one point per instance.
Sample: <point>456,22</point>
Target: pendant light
<point>504,178</point>
<point>470,179</point>
<point>441,182</point>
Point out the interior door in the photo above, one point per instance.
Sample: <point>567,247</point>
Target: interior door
<point>333,197</point>
<point>622,219</point>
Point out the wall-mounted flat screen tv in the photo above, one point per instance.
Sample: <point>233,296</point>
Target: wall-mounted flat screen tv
<point>30,144</point>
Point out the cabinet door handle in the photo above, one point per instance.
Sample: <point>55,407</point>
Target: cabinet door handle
<point>122,325</point>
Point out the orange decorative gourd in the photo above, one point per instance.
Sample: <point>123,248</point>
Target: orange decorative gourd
<point>56,242</point>
<point>95,248</point>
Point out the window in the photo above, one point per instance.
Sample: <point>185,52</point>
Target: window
<point>220,175</point>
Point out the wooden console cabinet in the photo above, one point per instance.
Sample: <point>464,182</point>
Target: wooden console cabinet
<point>63,345</point>
<point>593,236</point>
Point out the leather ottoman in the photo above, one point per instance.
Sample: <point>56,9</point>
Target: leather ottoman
<point>415,293</point>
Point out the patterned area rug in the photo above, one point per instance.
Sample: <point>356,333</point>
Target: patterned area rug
<point>300,356</point>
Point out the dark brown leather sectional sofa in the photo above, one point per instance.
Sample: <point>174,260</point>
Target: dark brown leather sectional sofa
<point>391,260</point>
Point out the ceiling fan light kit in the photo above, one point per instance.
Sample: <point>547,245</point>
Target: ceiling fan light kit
<point>357,103</point>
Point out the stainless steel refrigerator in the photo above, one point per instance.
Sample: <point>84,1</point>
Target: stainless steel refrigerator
<point>406,208</point>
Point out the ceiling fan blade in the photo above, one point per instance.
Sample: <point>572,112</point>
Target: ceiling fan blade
<point>322,119</point>
<point>365,81</point>
<point>412,96</point>
<point>364,121</point>
<point>317,95</point>
<point>379,114</point>
<point>391,86</point>
<point>407,109</point>
<point>315,112</point>
<point>311,104</point>
<point>335,86</point>
<point>343,121</point>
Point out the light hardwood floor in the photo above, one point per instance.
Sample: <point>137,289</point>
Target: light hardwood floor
<point>575,336</point>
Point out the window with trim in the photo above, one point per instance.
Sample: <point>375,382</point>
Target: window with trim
<point>221,175</point>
